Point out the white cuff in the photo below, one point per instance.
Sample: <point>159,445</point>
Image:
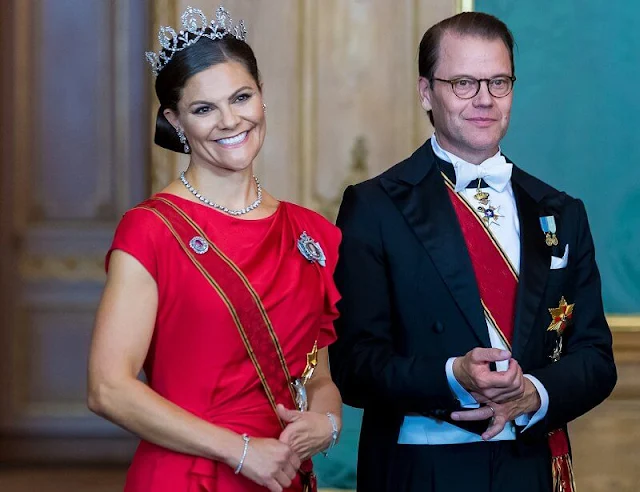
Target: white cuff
<point>463,396</point>
<point>529,419</point>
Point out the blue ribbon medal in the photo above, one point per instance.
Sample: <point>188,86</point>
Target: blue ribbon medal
<point>548,225</point>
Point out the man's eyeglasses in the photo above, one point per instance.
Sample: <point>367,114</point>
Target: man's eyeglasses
<point>468,87</point>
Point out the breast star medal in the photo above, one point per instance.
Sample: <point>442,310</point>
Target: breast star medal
<point>299,384</point>
<point>560,318</point>
<point>312,362</point>
<point>490,214</point>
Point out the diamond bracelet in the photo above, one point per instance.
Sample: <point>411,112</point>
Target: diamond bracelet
<point>246,440</point>
<point>334,433</point>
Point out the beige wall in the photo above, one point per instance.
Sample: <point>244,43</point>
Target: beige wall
<point>339,81</point>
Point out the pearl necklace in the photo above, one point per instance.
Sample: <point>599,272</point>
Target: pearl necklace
<point>226,210</point>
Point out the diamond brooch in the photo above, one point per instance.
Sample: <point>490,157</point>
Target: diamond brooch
<point>311,249</point>
<point>199,245</point>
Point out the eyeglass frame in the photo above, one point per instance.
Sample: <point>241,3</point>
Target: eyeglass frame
<point>453,81</point>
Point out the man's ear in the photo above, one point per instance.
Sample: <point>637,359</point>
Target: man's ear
<point>424,92</point>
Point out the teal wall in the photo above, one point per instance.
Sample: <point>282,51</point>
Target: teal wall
<point>575,120</point>
<point>338,469</point>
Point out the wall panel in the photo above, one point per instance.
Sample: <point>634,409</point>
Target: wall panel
<point>73,160</point>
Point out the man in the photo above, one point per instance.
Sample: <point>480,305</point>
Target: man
<point>472,327</point>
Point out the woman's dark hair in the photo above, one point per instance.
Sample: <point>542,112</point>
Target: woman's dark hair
<point>185,64</point>
<point>476,24</point>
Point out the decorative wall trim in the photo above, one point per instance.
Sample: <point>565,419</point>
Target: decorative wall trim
<point>67,450</point>
<point>626,345</point>
<point>418,113</point>
<point>53,409</point>
<point>163,162</point>
<point>121,87</point>
<point>624,322</point>
<point>308,63</point>
<point>113,106</point>
<point>67,268</point>
<point>101,201</point>
<point>21,102</point>
<point>465,6</point>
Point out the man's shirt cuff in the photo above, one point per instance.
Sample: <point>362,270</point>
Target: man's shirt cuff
<point>532,418</point>
<point>463,396</point>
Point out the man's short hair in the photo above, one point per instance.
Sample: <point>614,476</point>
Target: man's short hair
<point>477,24</point>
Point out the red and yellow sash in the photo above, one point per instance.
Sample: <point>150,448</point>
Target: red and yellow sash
<point>246,309</point>
<point>497,280</point>
<point>498,286</point>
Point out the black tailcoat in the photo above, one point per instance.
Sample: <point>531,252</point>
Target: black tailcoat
<point>410,302</point>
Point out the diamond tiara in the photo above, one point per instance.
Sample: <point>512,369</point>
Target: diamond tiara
<point>194,27</point>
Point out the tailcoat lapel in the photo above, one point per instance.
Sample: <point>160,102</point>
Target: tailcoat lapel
<point>535,259</point>
<point>419,193</point>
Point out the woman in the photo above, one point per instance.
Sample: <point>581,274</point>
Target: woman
<point>220,292</point>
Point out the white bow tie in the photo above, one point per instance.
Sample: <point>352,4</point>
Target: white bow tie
<point>495,171</point>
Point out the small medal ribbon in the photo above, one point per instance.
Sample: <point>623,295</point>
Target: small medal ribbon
<point>548,224</point>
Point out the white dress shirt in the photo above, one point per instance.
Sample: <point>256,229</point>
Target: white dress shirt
<point>419,429</point>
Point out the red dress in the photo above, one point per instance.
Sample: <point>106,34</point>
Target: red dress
<point>197,359</point>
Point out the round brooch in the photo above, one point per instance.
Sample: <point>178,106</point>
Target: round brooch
<point>199,245</point>
<point>311,249</point>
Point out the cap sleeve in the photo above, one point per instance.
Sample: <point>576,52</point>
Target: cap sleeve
<point>136,235</point>
<point>327,333</point>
